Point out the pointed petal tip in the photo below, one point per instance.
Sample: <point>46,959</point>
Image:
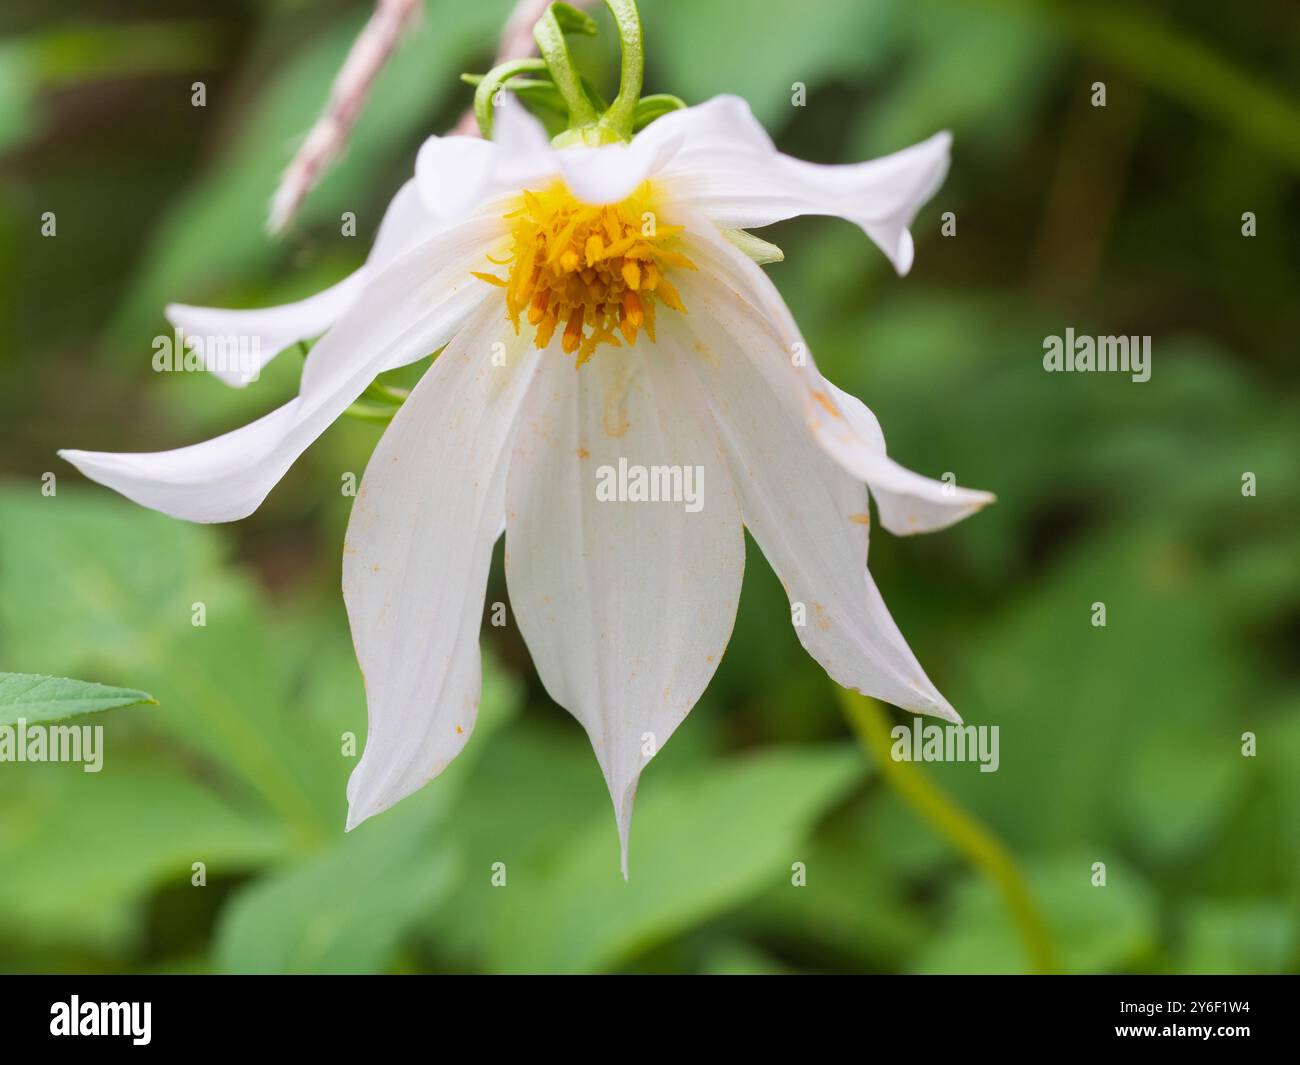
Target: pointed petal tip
<point>362,809</point>
<point>922,697</point>
<point>934,704</point>
<point>909,523</point>
<point>364,798</point>
<point>355,815</point>
<point>904,254</point>
<point>623,817</point>
<point>85,462</point>
<point>948,713</point>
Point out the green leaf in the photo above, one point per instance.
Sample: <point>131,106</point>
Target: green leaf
<point>858,903</point>
<point>343,911</point>
<point>702,841</point>
<point>37,698</point>
<point>1185,790</point>
<point>347,908</point>
<point>80,850</point>
<point>1239,937</point>
<point>121,584</point>
<point>737,958</point>
<point>111,579</point>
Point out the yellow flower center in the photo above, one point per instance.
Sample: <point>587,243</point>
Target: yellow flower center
<point>595,271</point>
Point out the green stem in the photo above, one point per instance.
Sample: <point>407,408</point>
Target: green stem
<point>379,413</point>
<point>983,849</point>
<point>549,34</point>
<point>622,112</point>
<point>386,393</point>
<point>492,82</point>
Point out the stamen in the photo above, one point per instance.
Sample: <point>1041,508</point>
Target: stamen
<point>573,331</point>
<point>592,268</point>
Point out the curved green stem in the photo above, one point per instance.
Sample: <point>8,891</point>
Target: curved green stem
<point>983,849</point>
<point>492,82</point>
<point>549,35</point>
<point>657,105</point>
<point>622,112</point>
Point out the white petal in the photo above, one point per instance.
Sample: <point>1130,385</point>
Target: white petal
<point>626,606</point>
<point>612,172</point>
<point>453,174</point>
<point>605,174</point>
<point>416,559</point>
<point>458,175</point>
<point>728,168</point>
<point>407,311</point>
<point>908,502</point>
<point>266,331</point>
<point>745,300</point>
<point>808,515</point>
<point>517,133</point>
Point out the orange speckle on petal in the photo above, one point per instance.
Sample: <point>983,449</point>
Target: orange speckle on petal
<point>827,404</point>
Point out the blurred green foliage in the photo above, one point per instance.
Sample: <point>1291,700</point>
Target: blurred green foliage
<point>1119,744</point>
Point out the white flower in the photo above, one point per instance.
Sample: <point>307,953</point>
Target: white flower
<point>623,261</point>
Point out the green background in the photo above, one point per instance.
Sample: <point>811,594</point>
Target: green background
<point>1120,745</point>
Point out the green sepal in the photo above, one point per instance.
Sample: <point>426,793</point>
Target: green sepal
<point>494,80</point>
<point>758,249</point>
<point>655,106</point>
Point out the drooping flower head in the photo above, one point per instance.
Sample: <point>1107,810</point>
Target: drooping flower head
<point>618,386</point>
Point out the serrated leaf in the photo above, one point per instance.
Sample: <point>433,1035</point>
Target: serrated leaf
<point>38,698</point>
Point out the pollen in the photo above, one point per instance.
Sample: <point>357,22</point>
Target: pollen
<point>595,273</point>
